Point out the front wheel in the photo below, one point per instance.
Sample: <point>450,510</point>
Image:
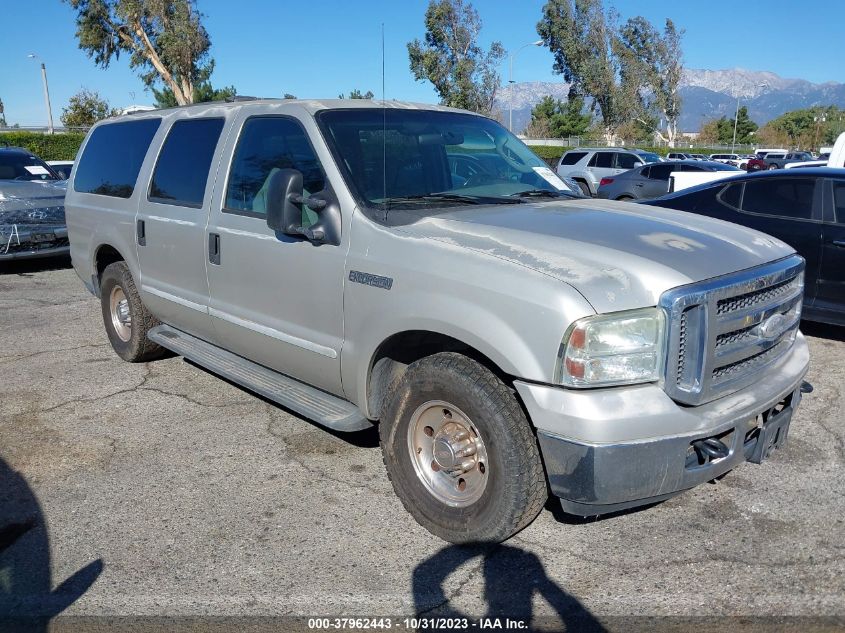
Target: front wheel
<point>460,452</point>
<point>772,167</point>
<point>126,318</point>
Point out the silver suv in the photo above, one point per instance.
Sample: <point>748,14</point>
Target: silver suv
<point>418,269</point>
<point>587,166</point>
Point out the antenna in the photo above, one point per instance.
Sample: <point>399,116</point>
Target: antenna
<point>383,130</point>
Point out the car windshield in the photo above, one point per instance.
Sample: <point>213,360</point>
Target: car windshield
<point>649,157</point>
<point>19,166</point>
<point>396,158</point>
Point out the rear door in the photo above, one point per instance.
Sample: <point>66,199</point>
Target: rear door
<point>601,165</point>
<point>657,182</point>
<point>171,224</point>
<point>830,295</point>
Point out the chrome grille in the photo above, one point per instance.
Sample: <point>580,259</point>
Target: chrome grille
<point>724,332</point>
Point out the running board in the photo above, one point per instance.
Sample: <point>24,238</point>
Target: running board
<point>308,401</point>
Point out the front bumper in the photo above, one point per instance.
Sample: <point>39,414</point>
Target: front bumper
<point>610,449</point>
<point>27,242</point>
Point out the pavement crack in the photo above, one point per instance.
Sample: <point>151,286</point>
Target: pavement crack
<point>16,357</point>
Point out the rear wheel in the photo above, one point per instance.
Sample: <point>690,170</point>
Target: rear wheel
<point>772,167</point>
<point>460,452</point>
<point>623,198</point>
<point>585,189</point>
<point>125,317</point>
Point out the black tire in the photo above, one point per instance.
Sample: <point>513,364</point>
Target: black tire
<point>585,189</point>
<point>772,167</point>
<point>138,348</point>
<point>625,198</point>
<point>516,486</point>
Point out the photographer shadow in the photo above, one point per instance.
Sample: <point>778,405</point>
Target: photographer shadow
<point>512,578</point>
<point>27,600</point>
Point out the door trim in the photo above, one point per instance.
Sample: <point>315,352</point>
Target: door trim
<point>276,334</point>
<point>175,299</point>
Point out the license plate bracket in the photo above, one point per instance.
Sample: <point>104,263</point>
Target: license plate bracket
<point>37,238</point>
<point>772,435</point>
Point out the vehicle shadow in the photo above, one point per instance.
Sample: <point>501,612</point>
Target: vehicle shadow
<point>27,598</point>
<point>823,330</point>
<point>37,265</point>
<point>512,579</point>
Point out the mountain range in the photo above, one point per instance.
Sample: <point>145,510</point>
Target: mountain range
<point>705,94</point>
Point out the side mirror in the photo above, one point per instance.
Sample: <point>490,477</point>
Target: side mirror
<point>283,214</point>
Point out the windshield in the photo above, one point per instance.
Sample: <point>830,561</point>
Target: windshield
<point>417,158</point>
<point>19,166</point>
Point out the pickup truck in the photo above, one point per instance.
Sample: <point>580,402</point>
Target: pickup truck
<point>507,337</point>
<point>779,161</point>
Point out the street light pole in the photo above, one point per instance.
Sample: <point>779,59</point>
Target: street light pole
<point>510,79</point>
<point>46,93</point>
<point>736,117</point>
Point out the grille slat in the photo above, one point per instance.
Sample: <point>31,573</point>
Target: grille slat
<point>745,321</point>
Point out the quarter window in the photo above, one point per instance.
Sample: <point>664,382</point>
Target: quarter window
<point>181,172</point>
<point>266,145</point>
<point>784,197</point>
<point>570,158</point>
<point>839,201</point>
<point>112,158</point>
<point>731,195</point>
<point>602,159</point>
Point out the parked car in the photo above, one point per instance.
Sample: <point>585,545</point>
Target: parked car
<point>728,159</point>
<point>756,164</point>
<point>588,166</point>
<point>805,208</point>
<point>699,157</point>
<point>679,156</point>
<point>778,161</point>
<point>61,167</point>
<point>762,152</point>
<point>32,215</point>
<point>506,337</point>
<point>651,181</point>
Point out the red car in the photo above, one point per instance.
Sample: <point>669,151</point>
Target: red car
<point>756,164</point>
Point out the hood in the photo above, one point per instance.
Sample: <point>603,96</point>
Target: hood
<point>24,203</point>
<point>618,255</point>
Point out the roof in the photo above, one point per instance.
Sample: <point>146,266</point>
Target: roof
<point>312,106</point>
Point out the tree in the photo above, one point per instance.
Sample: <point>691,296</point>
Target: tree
<point>591,56</point>
<point>745,128</point>
<point>463,74</point>
<point>85,108</point>
<point>721,130</point>
<point>203,92</point>
<point>806,128</point>
<point>660,60</point>
<point>552,118</point>
<point>288,95</point>
<point>165,39</point>
<point>357,94</point>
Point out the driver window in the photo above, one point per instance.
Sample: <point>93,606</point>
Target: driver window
<point>266,145</point>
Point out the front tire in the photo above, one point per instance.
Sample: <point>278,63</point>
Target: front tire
<point>125,317</point>
<point>460,452</point>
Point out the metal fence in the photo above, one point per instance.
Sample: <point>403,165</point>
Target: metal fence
<point>681,144</point>
<point>41,129</point>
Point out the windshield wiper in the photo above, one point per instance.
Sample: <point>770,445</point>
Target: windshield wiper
<point>452,197</point>
<point>543,193</point>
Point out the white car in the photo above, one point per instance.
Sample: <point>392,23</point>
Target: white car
<point>61,167</point>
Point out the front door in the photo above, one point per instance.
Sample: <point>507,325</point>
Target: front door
<point>273,298</point>
<point>830,295</point>
<point>170,225</point>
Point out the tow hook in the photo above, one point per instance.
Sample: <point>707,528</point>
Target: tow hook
<point>806,387</point>
<point>710,448</point>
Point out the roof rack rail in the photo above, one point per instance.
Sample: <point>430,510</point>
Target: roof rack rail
<point>235,98</point>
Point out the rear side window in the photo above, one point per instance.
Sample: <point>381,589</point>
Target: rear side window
<point>602,159</point>
<point>570,158</point>
<point>660,172</point>
<point>839,201</point>
<point>113,156</point>
<point>181,171</point>
<point>731,195</point>
<point>266,145</point>
<point>784,197</point>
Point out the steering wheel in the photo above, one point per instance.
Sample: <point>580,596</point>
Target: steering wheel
<point>501,143</point>
<point>478,179</point>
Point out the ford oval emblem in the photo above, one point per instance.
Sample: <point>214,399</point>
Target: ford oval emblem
<point>771,327</point>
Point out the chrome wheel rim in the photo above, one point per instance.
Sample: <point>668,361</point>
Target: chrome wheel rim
<point>121,319</point>
<point>448,453</point>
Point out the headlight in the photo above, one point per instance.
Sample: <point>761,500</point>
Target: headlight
<point>613,349</point>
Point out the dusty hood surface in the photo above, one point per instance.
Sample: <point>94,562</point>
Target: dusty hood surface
<point>619,256</point>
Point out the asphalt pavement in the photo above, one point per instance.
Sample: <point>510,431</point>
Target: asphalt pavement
<point>159,489</point>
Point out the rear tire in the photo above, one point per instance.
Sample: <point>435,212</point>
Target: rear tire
<point>125,317</point>
<point>772,167</point>
<point>625,198</point>
<point>585,189</point>
<point>447,404</point>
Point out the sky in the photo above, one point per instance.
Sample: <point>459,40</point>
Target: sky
<point>325,47</point>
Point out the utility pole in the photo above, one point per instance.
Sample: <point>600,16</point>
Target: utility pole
<point>510,80</point>
<point>46,93</point>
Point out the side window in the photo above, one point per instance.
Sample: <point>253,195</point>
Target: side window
<point>626,161</point>
<point>570,158</point>
<point>660,172</point>
<point>690,168</point>
<point>602,159</point>
<point>113,156</point>
<point>266,145</point>
<point>784,197</point>
<point>181,171</point>
<point>839,201</point>
<point>731,195</point>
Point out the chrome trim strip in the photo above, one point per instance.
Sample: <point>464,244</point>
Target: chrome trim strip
<point>276,334</point>
<point>175,299</point>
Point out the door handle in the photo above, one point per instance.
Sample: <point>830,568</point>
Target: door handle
<point>141,233</point>
<point>214,248</point>
<point>839,243</point>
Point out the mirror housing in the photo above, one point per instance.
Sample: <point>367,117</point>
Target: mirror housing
<point>284,208</point>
